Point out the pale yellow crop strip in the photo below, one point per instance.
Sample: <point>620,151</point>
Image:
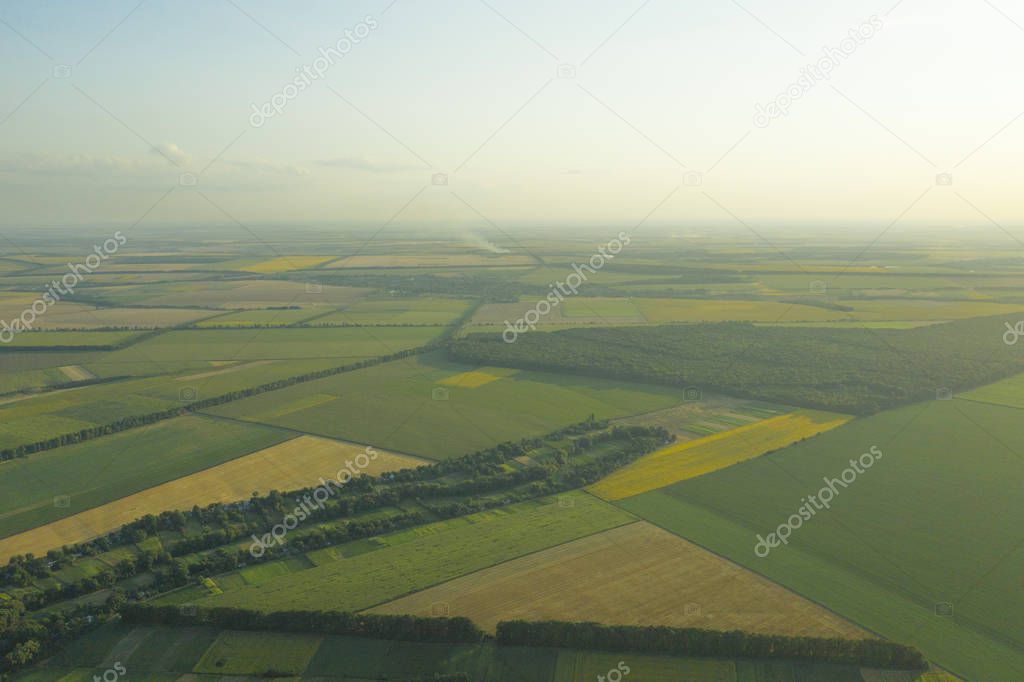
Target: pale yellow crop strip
<point>682,461</point>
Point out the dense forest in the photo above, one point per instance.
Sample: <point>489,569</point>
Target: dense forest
<point>858,371</point>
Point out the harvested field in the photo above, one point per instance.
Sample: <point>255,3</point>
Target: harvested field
<point>632,575</point>
<point>77,373</point>
<point>297,463</point>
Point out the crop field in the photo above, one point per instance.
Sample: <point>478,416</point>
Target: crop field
<point>171,653</point>
<point>290,465</point>
<point>414,559</point>
<point>99,471</point>
<point>601,308</point>
<point>659,310</point>
<point>427,260</point>
<point>711,414</point>
<point>145,318</point>
<point>875,556</point>
<point>239,294</point>
<point>255,653</point>
<point>1009,392</point>
<point>31,418</point>
<point>276,344</point>
<point>284,264</point>
<point>255,317</point>
<point>682,461</point>
<point>69,338</point>
<point>632,575</point>
<point>399,311</point>
<point>411,406</point>
<point>476,378</point>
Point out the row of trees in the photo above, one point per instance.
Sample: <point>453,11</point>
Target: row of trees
<point>872,653</point>
<point>404,628</point>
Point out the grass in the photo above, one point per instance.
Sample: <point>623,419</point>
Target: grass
<point>417,558</point>
<point>259,653</point>
<point>424,310</point>
<point>600,307</point>
<point>410,406</point>
<point>686,460</point>
<point>1009,392</point>
<point>50,339</point>
<point>99,471</point>
<point>909,534</point>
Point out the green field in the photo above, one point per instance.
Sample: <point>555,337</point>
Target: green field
<point>258,653</point>
<point>376,311</point>
<point>601,307</point>
<point>405,406</point>
<point>165,653</point>
<point>43,416</point>
<point>256,318</point>
<point>98,471</point>
<point>276,344</point>
<point>417,558</point>
<point>69,338</point>
<point>1009,392</point>
<point>908,535</point>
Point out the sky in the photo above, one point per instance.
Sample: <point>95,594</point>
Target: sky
<point>540,112</point>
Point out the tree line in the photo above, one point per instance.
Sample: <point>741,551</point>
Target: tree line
<point>377,626</point>
<point>652,639</point>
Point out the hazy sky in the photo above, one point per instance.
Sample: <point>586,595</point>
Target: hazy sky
<point>472,89</point>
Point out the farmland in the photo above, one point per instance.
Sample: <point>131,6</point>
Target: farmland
<point>711,453</point>
<point>94,473</point>
<point>398,406</point>
<point>168,653</point>
<point>617,470</point>
<point>874,556</point>
<point>411,560</point>
<point>290,465</point>
<point>631,575</point>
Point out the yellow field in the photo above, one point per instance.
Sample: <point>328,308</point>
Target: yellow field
<point>286,263</point>
<point>76,373</point>
<point>478,377</point>
<point>297,463</point>
<point>681,461</point>
<point>636,574</point>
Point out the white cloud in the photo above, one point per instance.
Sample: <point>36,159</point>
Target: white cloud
<point>353,163</point>
<point>172,153</point>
